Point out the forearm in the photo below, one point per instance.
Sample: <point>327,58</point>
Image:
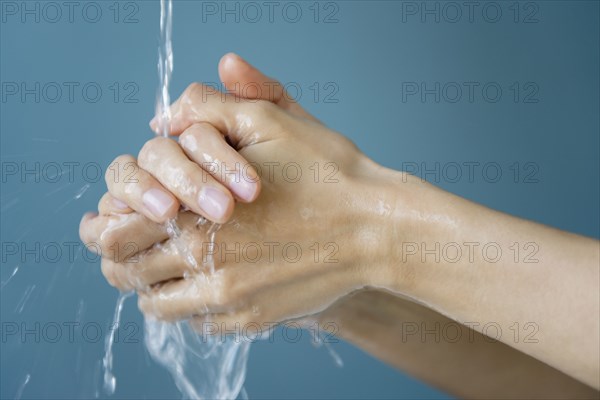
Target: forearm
<point>441,352</point>
<point>504,276</point>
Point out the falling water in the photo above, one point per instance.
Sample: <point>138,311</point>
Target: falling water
<point>19,393</point>
<point>165,67</point>
<point>110,382</point>
<point>202,367</point>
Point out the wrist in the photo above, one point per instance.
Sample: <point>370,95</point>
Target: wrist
<point>398,212</point>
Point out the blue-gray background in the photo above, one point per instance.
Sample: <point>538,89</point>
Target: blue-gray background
<point>354,62</point>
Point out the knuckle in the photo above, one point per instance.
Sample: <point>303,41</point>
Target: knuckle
<point>192,90</point>
<point>204,129</point>
<point>125,277</point>
<point>228,292</point>
<point>198,132</point>
<point>84,230</point>
<point>192,174</point>
<point>143,304</point>
<point>116,167</point>
<point>104,200</point>
<point>187,136</point>
<point>110,244</point>
<point>93,247</point>
<point>148,152</point>
<point>108,271</point>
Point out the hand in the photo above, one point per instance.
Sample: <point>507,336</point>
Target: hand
<point>302,244</point>
<point>271,258</point>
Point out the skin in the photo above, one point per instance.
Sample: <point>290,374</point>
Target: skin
<point>462,362</point>
<point>323,236</point>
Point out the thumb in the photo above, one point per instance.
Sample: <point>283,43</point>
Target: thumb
<point>243,80</point>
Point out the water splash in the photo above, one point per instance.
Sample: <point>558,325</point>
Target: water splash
<point>21,304</point>
<point>110,382</point>
<point>202,367</point>
<point>319,341</point>
<point>180,245</point>
<point>81,191</point>
<point>19,393</point>
<point>4,283</point>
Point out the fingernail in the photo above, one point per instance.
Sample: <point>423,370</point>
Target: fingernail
<point>213,202</point>
<point>244,188</point>
<point>119,204</point>
<point>158,202</point>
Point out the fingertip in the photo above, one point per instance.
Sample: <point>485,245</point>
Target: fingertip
<point>110,205</point>
<point>83,232</point>
<point>246,190</point>
<point>234,71</point>
<point>86,217</point>
<point>143,304</point>
<point>89,214</point>
<point>154,124</point>
<point>122,206</point>
<point>217,205</point>
<point>228,213</point>
<point>256,192</point>
<point>229,60</point>
<point>172,212</point>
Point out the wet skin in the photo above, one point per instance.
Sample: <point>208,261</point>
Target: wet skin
<point>346,223</point>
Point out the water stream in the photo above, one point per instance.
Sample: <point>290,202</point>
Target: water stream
<point>202,367</point>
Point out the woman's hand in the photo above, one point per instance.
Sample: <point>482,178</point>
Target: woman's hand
<point>303,243</point>
<point>329,221</point>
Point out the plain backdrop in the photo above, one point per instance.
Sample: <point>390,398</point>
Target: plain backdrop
<point>390,75</point>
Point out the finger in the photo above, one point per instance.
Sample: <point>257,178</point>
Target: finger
<point>88,231</point>
<point>164,159</point>
<point>242,121</point>
<point>202,103</point>
<point>205,145</point>
<point>221,292</point>
<point>109,205</point>
<point>140,272</point>
<point>137,188</point>
<point>164,261</point>
<point>244,80</point>
<point>120,237</point>
<point>180,299</point>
